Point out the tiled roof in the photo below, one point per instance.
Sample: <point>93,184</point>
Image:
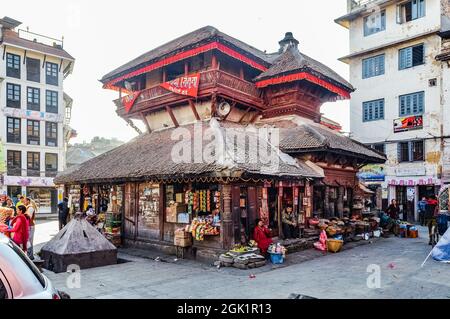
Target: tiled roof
<point>149,156</point>
<point>12,38</point>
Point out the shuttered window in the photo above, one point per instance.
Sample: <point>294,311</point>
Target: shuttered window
<point>412,104</point>
<point>373,66</point>
<point>373,110</point>
<point>411,56</point>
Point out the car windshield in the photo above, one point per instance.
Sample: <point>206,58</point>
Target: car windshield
<point>28,262</point>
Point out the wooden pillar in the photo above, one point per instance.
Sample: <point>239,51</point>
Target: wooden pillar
<point>252,213</point>
<point>227,218</point>
<point>164,75</point>
<point>162,210</point>
<point>326,203</point>
<point>279,210</point>
<point>214,61</point>
<point>186,68</point>
<point>340,202</point>
<point>241,73</point>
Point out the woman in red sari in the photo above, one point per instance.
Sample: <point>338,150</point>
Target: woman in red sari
<point>20,228</point>
<point>261,235</point>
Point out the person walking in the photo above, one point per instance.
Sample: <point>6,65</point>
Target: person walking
<point>20,228</point>
<point>63,212</point>
<point>31,212</point>
<point>421,206</point>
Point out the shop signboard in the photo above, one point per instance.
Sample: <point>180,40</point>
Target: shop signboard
<point>372,173</point>
<point>413,171</point>
<point>33,115</point>
<point>29,181</point>
<point>409,123</point>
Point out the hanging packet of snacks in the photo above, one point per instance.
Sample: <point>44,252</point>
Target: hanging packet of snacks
<point>208,200</point>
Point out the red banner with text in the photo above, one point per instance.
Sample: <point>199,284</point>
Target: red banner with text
<point>185,85</point>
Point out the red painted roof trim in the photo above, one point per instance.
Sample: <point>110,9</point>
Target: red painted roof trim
<point>304,76</point>
<point>184,55</point>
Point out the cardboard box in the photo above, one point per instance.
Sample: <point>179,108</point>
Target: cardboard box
<point>183,242</point>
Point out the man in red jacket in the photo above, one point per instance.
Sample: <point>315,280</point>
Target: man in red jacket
<point>20,228</point>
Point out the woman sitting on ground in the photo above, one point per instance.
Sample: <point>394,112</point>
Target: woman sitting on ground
<point>261,235</point>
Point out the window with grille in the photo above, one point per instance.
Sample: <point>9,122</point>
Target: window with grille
<point>411,56</point>
<point>33,164</point>
<point>13,65</point>
<point>411,151</point>
<point>13,130</point>
<point>14,163</point>
<point>33,99</point>
<point>373,66</point>
<point>412,104</point>
<point>51,101</point>
<point>51,73</point>
<point>12,95</point>
<point>51,134</point>
<point>373,110</point>
<point>33,70</point>
<point>375,23</point>
<point>33,136</point>
<point>51,164</point>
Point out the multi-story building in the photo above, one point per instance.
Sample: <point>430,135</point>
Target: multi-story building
<point>399,106</point>
<point>33,112</point>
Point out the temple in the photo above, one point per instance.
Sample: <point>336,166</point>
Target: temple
<point>209,83</point>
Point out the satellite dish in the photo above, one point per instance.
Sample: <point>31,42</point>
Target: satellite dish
<point>128,86</point>
<point>224,109</point>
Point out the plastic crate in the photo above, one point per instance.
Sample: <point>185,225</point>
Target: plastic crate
<point>276,258</point>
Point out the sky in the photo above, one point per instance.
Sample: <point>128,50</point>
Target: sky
<point>104,34</point>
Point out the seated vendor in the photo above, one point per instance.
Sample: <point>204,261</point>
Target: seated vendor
<point>290,225</point>
<point>261,235</point>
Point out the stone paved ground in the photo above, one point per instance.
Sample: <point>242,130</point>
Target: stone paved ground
<point>342,275</point>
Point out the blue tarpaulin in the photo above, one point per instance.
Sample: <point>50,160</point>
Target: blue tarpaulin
<point>441,252</point>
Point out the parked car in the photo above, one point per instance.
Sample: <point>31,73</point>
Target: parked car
<point>20,278</point>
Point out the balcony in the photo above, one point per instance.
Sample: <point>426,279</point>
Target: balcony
<point>211,81</point>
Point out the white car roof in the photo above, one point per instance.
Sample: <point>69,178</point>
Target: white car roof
<point>22,280</point>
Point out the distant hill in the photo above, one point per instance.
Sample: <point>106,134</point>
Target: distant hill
<point>81,152</point>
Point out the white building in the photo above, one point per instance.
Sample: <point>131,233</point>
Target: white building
<point>400,105</point>
<point>33,113</point>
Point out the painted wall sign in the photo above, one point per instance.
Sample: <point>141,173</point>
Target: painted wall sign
<point>185,85</point>
<point>372,173</point>
<point>408,123</point>
<point>33,115</point>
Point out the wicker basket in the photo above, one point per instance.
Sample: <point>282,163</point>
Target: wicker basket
<point>334,245</point>
<point>331,231</point>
